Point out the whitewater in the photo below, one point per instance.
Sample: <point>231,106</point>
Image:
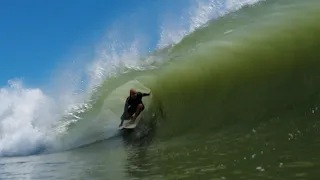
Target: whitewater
<point>235,95</point>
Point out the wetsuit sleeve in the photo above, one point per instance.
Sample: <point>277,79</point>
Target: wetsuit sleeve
<point>145,94</point>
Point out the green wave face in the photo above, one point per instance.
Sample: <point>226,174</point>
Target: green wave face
<point>249,66</point>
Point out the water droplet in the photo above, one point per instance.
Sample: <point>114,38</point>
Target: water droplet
<point>260,168</point>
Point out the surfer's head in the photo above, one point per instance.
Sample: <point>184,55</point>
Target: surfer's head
<point>133,93</point>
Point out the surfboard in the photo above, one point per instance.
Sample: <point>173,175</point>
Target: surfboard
<point>127,124</point>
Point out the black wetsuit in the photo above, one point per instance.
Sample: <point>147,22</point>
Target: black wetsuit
<point>133,103</point>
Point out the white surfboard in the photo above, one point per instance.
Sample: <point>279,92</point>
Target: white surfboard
<point>127,124</point>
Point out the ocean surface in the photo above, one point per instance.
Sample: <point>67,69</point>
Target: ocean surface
<point>236,97</point>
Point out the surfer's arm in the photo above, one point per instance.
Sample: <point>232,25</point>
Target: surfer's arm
<point>145,94</point>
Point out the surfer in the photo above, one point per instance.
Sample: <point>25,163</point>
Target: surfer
<point>133,106</point>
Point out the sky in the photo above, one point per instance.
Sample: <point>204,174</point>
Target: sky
<point>37,36</point>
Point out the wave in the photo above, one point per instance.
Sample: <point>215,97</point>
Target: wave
<point>247,66</point>
<point>75,111</point>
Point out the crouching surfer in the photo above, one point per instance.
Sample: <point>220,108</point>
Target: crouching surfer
<point>133,106</point>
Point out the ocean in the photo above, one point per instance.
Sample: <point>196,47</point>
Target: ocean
<point>235,98</point>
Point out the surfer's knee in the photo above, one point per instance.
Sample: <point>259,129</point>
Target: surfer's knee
<point>140,106</point>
